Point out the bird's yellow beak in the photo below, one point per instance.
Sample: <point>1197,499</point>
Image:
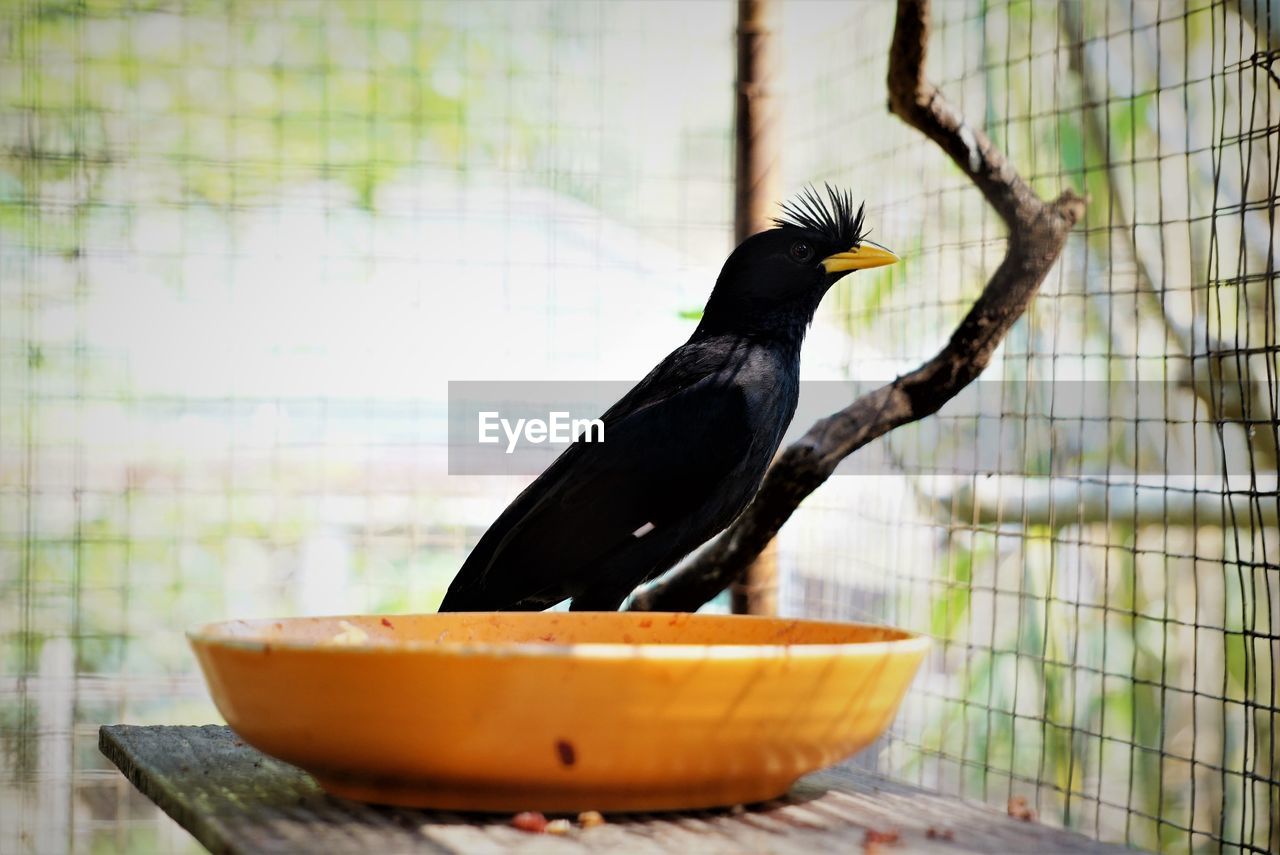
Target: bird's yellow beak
<point>861,257</point>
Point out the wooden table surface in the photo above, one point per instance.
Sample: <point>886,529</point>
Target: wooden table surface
<point>234,799</point>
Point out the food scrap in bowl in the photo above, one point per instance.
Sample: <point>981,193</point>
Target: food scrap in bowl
<point>351,635</point>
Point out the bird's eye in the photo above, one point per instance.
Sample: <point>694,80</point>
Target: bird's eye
<point>802,252</point>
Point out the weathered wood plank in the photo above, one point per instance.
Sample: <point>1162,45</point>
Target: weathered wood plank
<point>234,799</point>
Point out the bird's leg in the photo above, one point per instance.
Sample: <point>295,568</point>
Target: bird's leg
<point>603,598</point>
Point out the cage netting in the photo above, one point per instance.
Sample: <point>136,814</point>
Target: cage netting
<point>244,246</point>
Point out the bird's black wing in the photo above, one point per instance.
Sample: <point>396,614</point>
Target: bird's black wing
<point>668,445</point>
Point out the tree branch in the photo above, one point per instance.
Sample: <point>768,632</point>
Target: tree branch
<point>1037,233</point>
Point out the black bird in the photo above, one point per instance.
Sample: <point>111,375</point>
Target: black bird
<point>685,450</point>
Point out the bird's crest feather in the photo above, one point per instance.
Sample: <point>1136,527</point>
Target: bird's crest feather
<point>832,217</point>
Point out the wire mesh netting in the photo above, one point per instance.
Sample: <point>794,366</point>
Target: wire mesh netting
<point>1104,586</point>
<point>243,247</point>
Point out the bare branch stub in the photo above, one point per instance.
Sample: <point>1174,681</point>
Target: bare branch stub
<point>1037,233</point>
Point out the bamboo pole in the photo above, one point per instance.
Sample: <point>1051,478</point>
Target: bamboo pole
<point>755,189</point>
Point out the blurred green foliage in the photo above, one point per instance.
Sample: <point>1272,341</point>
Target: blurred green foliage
<point>224,101</point>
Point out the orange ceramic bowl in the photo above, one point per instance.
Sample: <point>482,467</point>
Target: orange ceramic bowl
<point>557,711</point>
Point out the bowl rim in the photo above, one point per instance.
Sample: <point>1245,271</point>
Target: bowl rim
<point>208,635</point>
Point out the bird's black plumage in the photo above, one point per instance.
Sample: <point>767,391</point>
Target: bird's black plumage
<point>685,450</point>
